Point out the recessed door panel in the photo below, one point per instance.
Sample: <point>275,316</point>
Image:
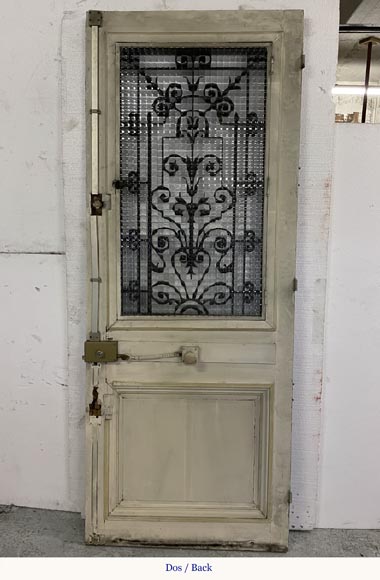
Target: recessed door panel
<point>182,447</point>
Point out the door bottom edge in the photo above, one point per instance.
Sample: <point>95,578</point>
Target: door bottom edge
<point>246,546</point>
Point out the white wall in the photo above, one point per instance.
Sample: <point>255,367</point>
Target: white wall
<point>33,348</point>
<point>350,467</point>
<point>31,223</point>
<point>33,423</point>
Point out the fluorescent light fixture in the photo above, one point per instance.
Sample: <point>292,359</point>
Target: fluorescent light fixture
<point>355,90</point>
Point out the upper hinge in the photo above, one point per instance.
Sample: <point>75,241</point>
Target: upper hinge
<point>271,68</point>
<point>295,284</point>
<point>303,61</point>
<point>99,202</point>
<point>95,18</point>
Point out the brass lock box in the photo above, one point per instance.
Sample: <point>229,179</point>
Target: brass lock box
<point>102,351</point>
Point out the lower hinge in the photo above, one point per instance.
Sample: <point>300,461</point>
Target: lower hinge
<point>303,61</point>
<point>290,496</point>
<point>100,201</point>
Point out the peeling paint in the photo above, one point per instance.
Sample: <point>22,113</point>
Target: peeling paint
<point>71,124</point>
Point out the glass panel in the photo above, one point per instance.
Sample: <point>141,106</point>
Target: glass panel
<point>192,172</point>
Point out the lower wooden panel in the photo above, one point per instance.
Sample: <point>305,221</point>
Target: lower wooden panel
<point>188,452</point>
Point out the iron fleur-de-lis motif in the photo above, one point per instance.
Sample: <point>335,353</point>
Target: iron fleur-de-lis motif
<point>192,164</point>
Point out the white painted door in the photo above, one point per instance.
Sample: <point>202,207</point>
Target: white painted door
<point>193,157</point>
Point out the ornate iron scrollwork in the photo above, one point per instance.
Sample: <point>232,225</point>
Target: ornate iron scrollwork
<point>192,167</point>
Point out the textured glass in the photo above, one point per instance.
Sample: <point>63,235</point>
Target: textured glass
<point>192,167</point>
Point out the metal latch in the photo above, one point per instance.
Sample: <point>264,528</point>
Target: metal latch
<point>96,204</point>
<point>100,351</point>
<point>95,407</point>
<point>106,351</point>
<point>99,202</point>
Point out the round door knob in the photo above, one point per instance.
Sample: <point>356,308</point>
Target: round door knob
<point>189,357</point>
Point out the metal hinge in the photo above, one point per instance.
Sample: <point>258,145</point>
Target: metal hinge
<point>95,18</point>
<point>295,284</point>
<point>100,201</point>
<point>271,69</point>
<point>302,61</point>
<point>290,496</point>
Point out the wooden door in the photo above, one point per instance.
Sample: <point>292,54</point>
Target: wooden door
<point>192,179</point>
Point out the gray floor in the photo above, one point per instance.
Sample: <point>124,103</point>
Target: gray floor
<point>33,532</point>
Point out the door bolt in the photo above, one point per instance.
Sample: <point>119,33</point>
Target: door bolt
<point>95,407</point>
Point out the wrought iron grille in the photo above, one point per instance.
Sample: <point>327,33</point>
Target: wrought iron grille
<point>192,173</point>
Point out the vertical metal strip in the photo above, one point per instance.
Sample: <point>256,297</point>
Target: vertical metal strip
<point>94,177</point>
<point>235,189</point>
<point>268,72</point>
<point>246,170</point>
<point>139,277</point>
<point>149,233</point>
<point>366,82</point>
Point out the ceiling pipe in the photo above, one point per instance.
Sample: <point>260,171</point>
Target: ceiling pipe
<point>369,42</point>
<point>360,28</point>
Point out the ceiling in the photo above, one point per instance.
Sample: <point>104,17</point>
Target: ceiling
<point>352,60</point>
<point>352,55</point>
<point>367,12</point>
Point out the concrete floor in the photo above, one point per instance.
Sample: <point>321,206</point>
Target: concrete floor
<point>34,532</point>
